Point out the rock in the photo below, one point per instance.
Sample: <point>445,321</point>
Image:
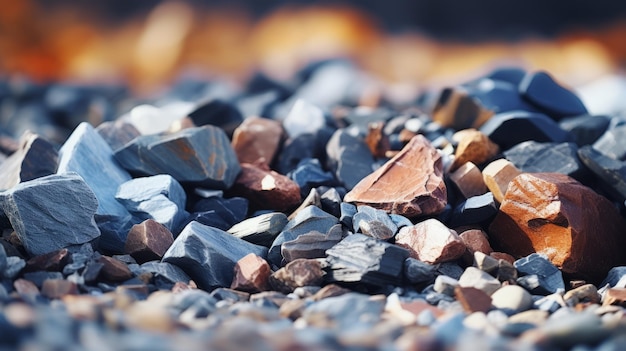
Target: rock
<point>410,184</point>
<point>184,156</point>
<point>497,176</point>
<point>311,245</point>
<point>547,213</point>
<point>615,296</point>
<point>511,75</point>
<point>148,241</point>
<point>117,133</point>
<point>585,129</point>
<point>57,288</point>
<point>51,261</point>
<point>266,189</point>
<point>540,89</point>
<point>546,277</point>
<point>347,213</point>
<point>454,108</point>
<point>149,119</point>
<point>474,210</point>
<point>297,273</point>
<point>35,158</point>
<point>349,158</point>
<point>367,215</point>
<point>431,241</point>
<point>26,287</point>
<point>165,275</point>
<point>610,143</point>
<point>217,113</point>
<point>587,293</point>
<point>303,118</point>
<point>469,180</point>
<point>231,210</point>
<point>251,274</point>
<point>418,272</point>
<point>312,199</point>
<point>88,154</point>
<point>485,263</point>
<point>257,140</point>
<point>616,278</point>
<point>260,230</point>
<point>158,197</point>
<point>534,157</point>
<point>309,174</point>
<point>472,299</point>
<point>208,255</point>
<point>511,128</point>
<point>297,150</point>
<point>362,259</point>
<point>40,223</point>
<point>473,146</point>
<point>612,173</point>
<point>476,240</point>
<point>3,260</point>
<point>506,271</point>
<point>114,270</point>
<point>475,278</point>
<point>498,96</point>
<point>445,285</point>
<point>512,299</point>
<point>342,311</point>
<point>376,139</point>
<point>330,202</point>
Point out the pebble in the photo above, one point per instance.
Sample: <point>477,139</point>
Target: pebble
<point>303,118</point>
<point>474,210</point>
<point>473,299</point>
<point>418,272</point>
<point>431,241</point>
<point>585,129</point>
<point>468,180</point>
<point>611,172</point>
<point>512,299</point>
<point>475,278</point>
<point>610,143</point>
<point>297,273</point>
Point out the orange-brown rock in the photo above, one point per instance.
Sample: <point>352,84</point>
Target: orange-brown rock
<point>148,241</point>
<point>252,274</point>
<point>297,273</point>
<point>377,141</point>
<point>456,109</point>
<point>497,176</point>
<point>469,180</point>
<point>114,270</point>
<point>410,184</point>
<point>431,241</point>
<point>472,299</point>
<point>257,139</point>
<point>266,189</point>
<point>474,146</point>
<point>579,231</point>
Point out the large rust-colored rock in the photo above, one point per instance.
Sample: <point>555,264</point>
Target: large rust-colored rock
<point>410,184</point>
<point>257,139</point>
<point>148,241</point>
<point>475,147</point>
<point>266,189</point>
<point>252,274</point>
<point>431,241</point>
<point>550,213</point>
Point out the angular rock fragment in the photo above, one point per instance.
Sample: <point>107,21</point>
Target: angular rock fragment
<point>35,158</point>
<point>539,275</point>
<point>260,230</point>
<point>431,241</point>
<point>148,241</point>
<point>475,278</point>
<point>612,173</point>
<point>418,272</point>
<point>349,158</point>
<point>476,240</point>
<point>472,299</point>
<point>217,113</point>
<point>474,147</point>
<point>117,133</point>
<point>251,274</point>
<point>309,174</point>
<point>40,223</point>
<point>208,255</point>
<point>165,275</point>
<point>512,299</point>
<point>257,140</point>
<point>220,212</point>
<point>549,213</point>
<point>114,270</point>
<point>330,202</point>
<point>541,90</point>
<point>469,180</point>
<point>199,156</point>
<point>311,245</point>
<point>51,261</point>
<point>497,176</point>
<point>611,143</point>
<point>297,273</point>
<point>347,213</point>
<point>534,157</point>
<point>376,139</point>
<point>409,184</point>
<point>266,189</point>
<point>456,109</point>
<point>367,215</point>
<point>475,210</point>
<point>585,129</point>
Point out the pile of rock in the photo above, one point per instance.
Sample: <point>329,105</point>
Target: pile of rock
<point>492,215</point>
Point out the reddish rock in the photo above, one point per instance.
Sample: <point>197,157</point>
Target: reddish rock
<point>266,189</point>
<point>330,290</point>
<point>377,141</point>
<point>497,176</point>
<point>297,273</point>
<point>257,139</point>
<point>148,241</point>
<point>469,180</point>
<point>579,231</point>
<point>25,287</point>
<point>431,241</point>
<point>251,274</point>
<point>503,256</point>
<point>57,288</point>
<point>456,109</point>
<point>114,270</point>
<point>475,147</point>
<point>476,240</point>
<point>52,261</point>
<point>410,184</point>
<point>472,299</point>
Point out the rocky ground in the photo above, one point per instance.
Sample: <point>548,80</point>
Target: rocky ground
<point>314,214</point>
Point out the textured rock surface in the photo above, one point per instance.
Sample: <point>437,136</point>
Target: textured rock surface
<point>534,157</point>
<point>409,184</point>
<point>431,241</point>
<point>311,245</point>
<point>35,158</point>
<point>257,140</point>
<point>44,226</point>
<point>297,273</point>
<point>117,133</point>
<point>612,173</point>
<point>549,213</point>
<point>266,189</point>
<point>260,230</point>
<point>474,147</point>
<point>611,143</point>
<point>497,176</point>
<point>469,180</point>
<point>251,274</point>
<point>539,275</point>
<point>349,157</point>
<point>456,109</point>
<point>148,241</point>
<point>541,90</point>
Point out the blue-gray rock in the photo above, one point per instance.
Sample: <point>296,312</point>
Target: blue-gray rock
<point>208,255</point>
<point>260,230</point>
<point>362,259</point>
<point>400,221</point>
<point>303,118</point>
<point>117,133</point>
<point>158,197</point>
<point>217,113</point>
<point>345,310</point>
<point>611,172</point>
<point>199,156</point>
<point>210,218</point>
<point>331,202</point>
<point>498,96</point>
<point>311,245</point>
<point>511,128</point>
<point>549,278</point>
<point>445,285</point>
<point>475,210</point>
<point>15,265</point>
<point>616,278</point>
<point>3,259</point>
<point>88,154</point>
<point>511,75</point>
<point>535,157</point>
<point>42,224</point>
<point>349,158</point>
<point>451,269</point>
<point>348,211</point>
<point>38,277</point>
<point>540,89</point>
<point>165,275</point>
<point>418,272</point>
<point>294,151</point>
<point>309,174</point>
<point>611,143</point>
<point>367,214</point>
<point>34,158</point>
<point>585,129</point>
<point>309,219</point>
<point>232,210</point>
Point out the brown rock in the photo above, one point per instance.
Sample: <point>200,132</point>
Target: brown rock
<point>503,256</point>
<point>615,296</point>
<point>431,241</point>
<point>52,261</point>
<point>472,299</point>
<point>550,213</point>
<point>410,184</point>
<point>456,109</point>
<point>582,294</point>
<point>476,240</point>
<point>34,158</point>
<point>292,309</point>
<point>143,315</point>
<point>251,274</point>
<point>114,270</point>
<point>469,180</point>
<point>497,176</point>
<point>266,189</point>
<point>297,273</point>
<point>57,288</point>
<point>257,139</point>
<point>377,141</point>
<point>148,241</point>
<point>475,147</point>
<point>329,290</point>
<point>25,287</point>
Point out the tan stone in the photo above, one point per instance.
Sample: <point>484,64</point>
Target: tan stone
<point>431,241</point>
<point>266,189</point>
<point>148,241</point>
<point>456,109</point>
<point>25,287</point>
<point>469,180</point>
<point>257,139</point>
<point>475,147</point>
<point>251,274</point>
<point>410,184</point>
<point>497,176</point>
<point>579,231</point>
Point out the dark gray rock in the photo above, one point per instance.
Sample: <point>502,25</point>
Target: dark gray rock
<point>418,272</point>
<point>88,154</point>
<point>616,278</point>
<point>348,211</point>
<point>498,96</point>
<point>349,158</point>
<point>309,174</point>
<point>368,214</point>
<point>117,133</point>
<point>362,259</point>
<point>542,91</point>
<point>185,156</point>
<point>311,245</point>
<point>451,269</point>
<point>296,150</point>
<point>208,255</point>
<point>611,143</point>
<point>260,230</point>
<point>165,275</point>
<point>548,278</point>
<point>331,202</point>
<point>400,221</point>
<point>611,172</point>
<point>217,113</point>
<point>35,158</point>
<point>475,210</point>
<point>232,210</point>
<point>15,265</point>
<point>535,157</point>
<point>44,226</point>
<point>511,128</point>
<point>585,129</point>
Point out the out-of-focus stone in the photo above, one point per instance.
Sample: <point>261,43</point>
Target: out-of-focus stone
<point>418,272</point>
<point>251,274</point>
<point>148,241</point>
<point>377,140</point>
<point>266,189</point>
<point>612,173</point>
<point>303,118</point>
<point>35,158</point>
<point>549,213</point>
<point>260,230</point>
<point>615,296</point>
<point>512,299</point>
<point>585,129</point>
<point>57,288</point>
<point>117,133</point>
<point>349,158</point>
<point>25,287</point>
<point>218,113</point>
<point>474,147</point>
<point>534,157</point>
<point>409,184</point>
<point>456,109</point>
<point>431,241</point>
<point>472,299</point>
<point>587,293</point>
<point>611,142</point>
<point>114,270</point>
<point>541,90</point>
<point>469,180</point>
<point>497,176</point>
<point>475,278</point>
<point>257,140</point>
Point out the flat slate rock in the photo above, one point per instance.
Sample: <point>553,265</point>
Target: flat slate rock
<point>199,156</point>
<point>88,154</point>
<point>44,226</point>
<point>611,172</point>
<point>543,91</point>
<point>549,278</point>
<point>260,230</point>
<point>349,157</point>
<point>35,158</point>
<point>311,245</point>
<point>535,157</point>
<point>208,255</point>
<point>585,129</point>
<point>266,189</point>
<point>611,143</point>
<point>232,210</point>
<point>410,184</point>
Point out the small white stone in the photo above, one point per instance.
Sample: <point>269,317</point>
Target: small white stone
<point>512,299</point>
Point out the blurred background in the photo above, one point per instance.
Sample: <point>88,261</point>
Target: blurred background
<point>147,44</point>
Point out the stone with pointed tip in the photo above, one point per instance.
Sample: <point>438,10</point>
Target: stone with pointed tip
<point>148,241</point>
<point>266,189</point>
<point>431,241</point>
<point>474,147</point>
<point>251,274</point>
